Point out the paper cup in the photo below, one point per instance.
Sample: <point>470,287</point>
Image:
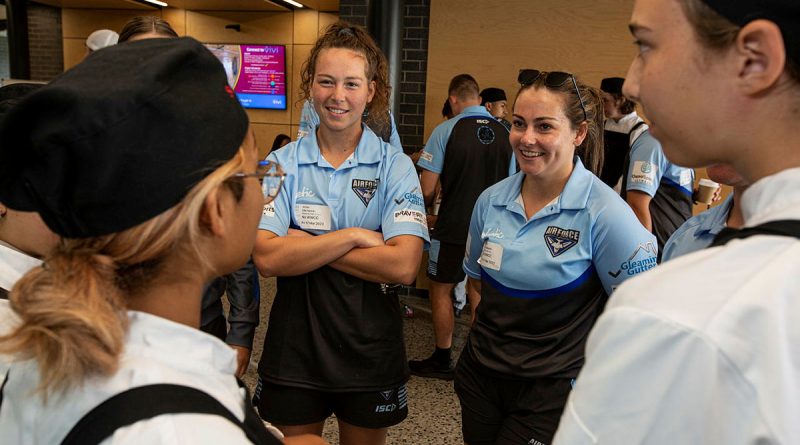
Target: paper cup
<point>706,192</point>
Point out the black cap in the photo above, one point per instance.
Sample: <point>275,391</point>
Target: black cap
<point>119,138</point>
<point>492,95</point>
<point>612,85</point>
<point>784,13</point>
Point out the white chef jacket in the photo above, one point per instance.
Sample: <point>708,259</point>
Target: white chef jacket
<point>13,265</point>
<point>704,349</point>
<point>156,351</point>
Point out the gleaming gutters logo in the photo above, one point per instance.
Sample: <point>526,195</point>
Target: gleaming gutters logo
<point>636,263</point>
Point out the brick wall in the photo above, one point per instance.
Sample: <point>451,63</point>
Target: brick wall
<point>45,40</point>
<point>354,11</point>
<point>411,109</point>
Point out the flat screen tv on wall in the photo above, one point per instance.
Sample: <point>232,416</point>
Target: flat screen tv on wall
<point>256,73</point>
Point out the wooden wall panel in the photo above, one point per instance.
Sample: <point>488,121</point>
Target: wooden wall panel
<point>265,134</point>
<point>176,19</point>
<point>301,53</point>
<point>256,27</point>
<point>306,26</point>
<point>326,19</point>
<point>79,23</point>
<point>493,41</point>
<point>74,51</point>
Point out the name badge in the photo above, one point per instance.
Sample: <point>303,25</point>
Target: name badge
<point>686,177</point>
<point>314,217</point>
<point>491,256</point>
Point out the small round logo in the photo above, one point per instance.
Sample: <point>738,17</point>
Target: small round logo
<point>647,167</point>
<point>485,135</point>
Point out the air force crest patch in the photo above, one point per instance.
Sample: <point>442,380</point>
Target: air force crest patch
<point>560,240</point>
<point>365,189</point>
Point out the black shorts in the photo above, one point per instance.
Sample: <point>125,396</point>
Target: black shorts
<point>446,262</point>
<point>500,411</point>
<point>289,405</point>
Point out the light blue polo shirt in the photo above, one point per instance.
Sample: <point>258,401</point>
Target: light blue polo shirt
<point>309,120</point>
<point>432,157</point>
<point>545,280</point>
<point>588,229</point>
<point>698,232</point>
<point>377,188</point>
<point>649,168</point>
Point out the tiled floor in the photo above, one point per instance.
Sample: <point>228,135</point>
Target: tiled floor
<point>434,414</point>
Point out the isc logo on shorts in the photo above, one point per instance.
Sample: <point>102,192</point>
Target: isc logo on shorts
<point>385,408</point>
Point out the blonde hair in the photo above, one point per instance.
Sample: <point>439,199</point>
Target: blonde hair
<point>72,310</point>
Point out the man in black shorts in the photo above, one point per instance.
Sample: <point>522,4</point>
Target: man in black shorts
<point>467,154</point>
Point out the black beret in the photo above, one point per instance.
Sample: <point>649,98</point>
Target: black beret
<point>784,13</point>
<point>612,85</point>
<point>119,138</point>
<point>492,95</point>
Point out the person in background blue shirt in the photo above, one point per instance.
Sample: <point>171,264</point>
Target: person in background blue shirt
<point>351,225</point>
<point>546,248</point>
<point>699,231</point>
<point>658,191</point>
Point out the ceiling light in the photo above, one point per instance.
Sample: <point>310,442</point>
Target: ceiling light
<point>294,3</point>
<point>157,3</point>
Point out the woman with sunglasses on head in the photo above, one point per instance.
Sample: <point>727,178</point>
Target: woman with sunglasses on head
<point>546,248</point>
<point>349,224</point>
<point>89,340</point>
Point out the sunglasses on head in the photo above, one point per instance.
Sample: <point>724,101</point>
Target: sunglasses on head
<point>552,79</point>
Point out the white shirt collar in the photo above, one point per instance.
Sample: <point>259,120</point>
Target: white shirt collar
<point>624,124</point>
<point>773,198</point>
<point>13,265</point>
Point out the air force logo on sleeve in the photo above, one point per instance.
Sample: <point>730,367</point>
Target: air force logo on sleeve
<point>560,240</point>
<point>365,189</point>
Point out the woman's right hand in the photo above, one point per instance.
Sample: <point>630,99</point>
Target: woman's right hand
<point>364,238</point>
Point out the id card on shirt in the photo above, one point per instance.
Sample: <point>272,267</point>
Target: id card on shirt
<point>686,177</point>
<point>313,217</point>
<point>491,256</point>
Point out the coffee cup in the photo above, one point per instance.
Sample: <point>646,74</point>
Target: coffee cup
<point>705,194</point>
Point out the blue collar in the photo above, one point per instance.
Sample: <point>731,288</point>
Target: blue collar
<point>575,195</point>
<point>368,151</point>
<point>473,110</point>
<point>718,217</point>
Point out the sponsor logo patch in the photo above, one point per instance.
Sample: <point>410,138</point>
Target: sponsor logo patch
<point>365,189</point>
<point>409,215</point>
<point>485,135</point>
<point>269,210</point>
<point>560,240</point>
<point>426,156</point>
<point>492,233</point>
<point>642,259</point>
<point>306,193</point>
<point>413,197</point>
<point>644,172</point>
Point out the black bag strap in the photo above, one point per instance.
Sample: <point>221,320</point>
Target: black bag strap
<point>133,405</point>
<point>786,227</point>
<point>3,387</point>
<point>635,126</point>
